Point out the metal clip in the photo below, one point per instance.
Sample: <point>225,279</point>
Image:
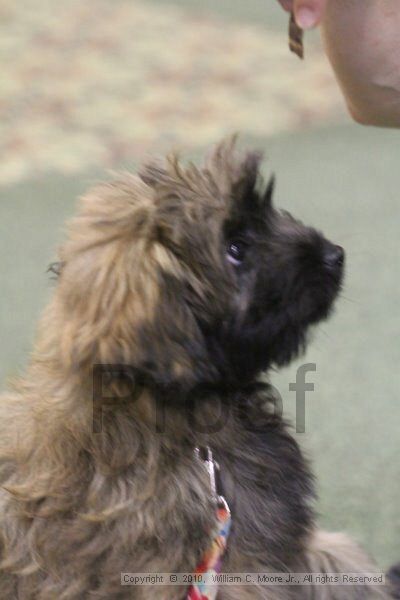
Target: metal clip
<point>211,466</point>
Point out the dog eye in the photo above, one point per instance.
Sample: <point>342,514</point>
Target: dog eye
<point>236,252</point>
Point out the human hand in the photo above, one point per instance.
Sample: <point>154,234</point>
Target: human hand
<point>308,13</point>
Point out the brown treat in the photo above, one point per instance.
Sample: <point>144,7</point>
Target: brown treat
<point>295,38</point>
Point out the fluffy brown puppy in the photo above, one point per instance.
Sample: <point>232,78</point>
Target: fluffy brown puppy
<point>185,284</point>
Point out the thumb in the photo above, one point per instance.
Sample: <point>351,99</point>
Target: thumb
<point>309,13</point>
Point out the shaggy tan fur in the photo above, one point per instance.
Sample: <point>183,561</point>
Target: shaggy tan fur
<point>78,508</point>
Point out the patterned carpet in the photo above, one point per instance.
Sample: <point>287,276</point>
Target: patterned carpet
<point>100,84</point>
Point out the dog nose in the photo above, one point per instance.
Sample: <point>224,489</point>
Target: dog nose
<point>333,256</point>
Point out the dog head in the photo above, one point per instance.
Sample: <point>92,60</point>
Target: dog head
<point>192,276</point>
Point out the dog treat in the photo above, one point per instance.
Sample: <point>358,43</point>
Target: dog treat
<point>295,37</point>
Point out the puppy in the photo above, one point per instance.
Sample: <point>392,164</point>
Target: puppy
<point>177,289</point>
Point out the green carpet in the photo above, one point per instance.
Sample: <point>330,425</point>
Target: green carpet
<point>261,12</point>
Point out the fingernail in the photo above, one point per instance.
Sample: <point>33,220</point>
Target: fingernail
<point>306,18</point>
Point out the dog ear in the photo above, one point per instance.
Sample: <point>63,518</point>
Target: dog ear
<point>236,174</point>
<point>269,192</point>
<point>247,177</point>
<point>123,296</point>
